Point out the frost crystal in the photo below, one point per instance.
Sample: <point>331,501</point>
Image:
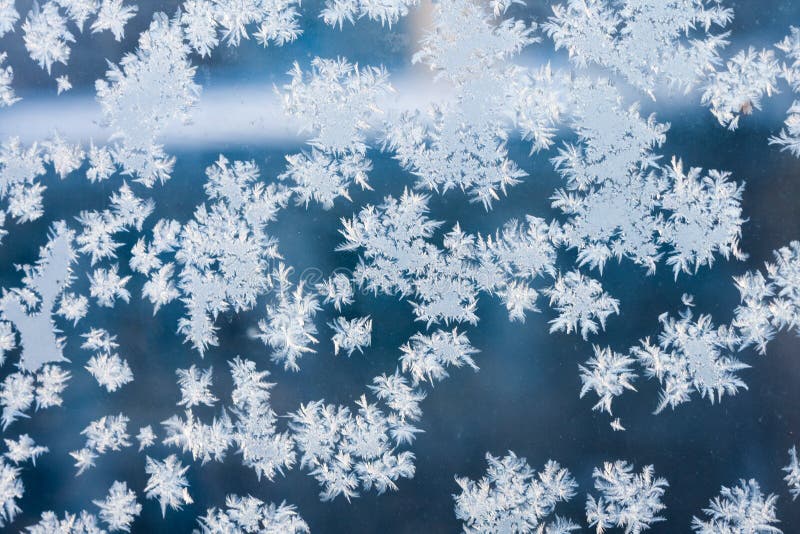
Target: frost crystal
<point>705,217</point>
<point>343,450</point>
<point>512,497</point>
<point>336,101</point>
<point>627,499</point>
<point>195,385</point>
<point>19,168</point>
<point>608,374</point>
<point>262,448</point>
<point>63,84</point>
<point>107,433</point>
<point>338,289</point>
<point>248,514</point>
<point>146,437</point>
<point>351,335</point>
<point>84,523</point>
<point>388,12</point>
<point>167,483</point>
<point>8,16</point>
<point>204,441</point>
<point>739,510</point>
<point>51,383</point>
<point>107,286</point>
<point>7,96</point>
<point>464,147</point>
<point>738,90</point>
<point>149,90</point>
<point>119,509</point>
<point>399,260</point>
<point>581,304</point>
<point>223,253</point>
<point>792,477</point>
<point>208,22</point>
<point>772,303</point>
<point>691,356</point>
<point>650,43</point>
<point>426,358</point>
<point>110,371</point>
<point>620,198</point>
<point>44,283</point>
<point>113,16</point>
<point>289,327</point>
<point>16,396</point>
<point>11,490</point>
<point>24,449</point>
<point>46,36</point>
<point>789,138</point>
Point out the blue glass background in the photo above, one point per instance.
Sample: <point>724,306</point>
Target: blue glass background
<point>525,397</point>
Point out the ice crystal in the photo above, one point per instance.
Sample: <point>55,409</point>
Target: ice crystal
<point>618,199</point>
<point>581,304</point>
<point>83,523</point>
<point>195,384</point>
<point>335,101</point>
<point>343,450</point>
<point>19,169</point>
<point>738,90</point>
<point>351,335</point>
<point>46,36</point>
<point>146,437</point>
<point>427,357</point>
<point>743,509</point>
<point>167,483</point>
<point>691,356</point>
<point>11,490</point>
<point>338,290</point>
<point>8,16</point>
<point>23,450</point>
<point>399,260</point>
<point>107,433</point>
<point>627,499</point>
<point>17,394</point>
<point>248,514</point>
<point>146,92</point>
<point>464,147</point>
<point>78,11</point>
<point>792,471</point>
<point>107,286</point>
<point>7,96</point>
<point>649,43</point>
<point>608,374</point>
<point>112,17</point>
<point>51,381</point>
<point>205,441</point>
<point>209,22</point>
<point>612,190</point>
<point>789,138</point>
<point>512,497</point>
<point>705,217</point>
<point>261,446</point>
<point>120,508</point>
<point>388,12</point>
<point>63,84</point>
<point>110,371</point>
<point>44,284</point>
<point>223,253</point>
<point>289,326</point>
<point>769,304</point>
